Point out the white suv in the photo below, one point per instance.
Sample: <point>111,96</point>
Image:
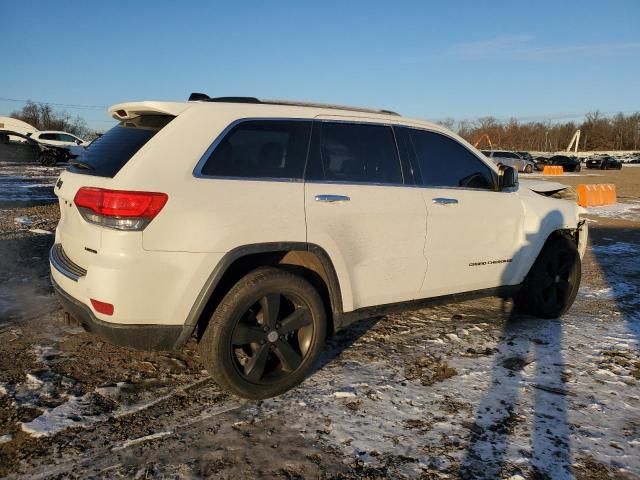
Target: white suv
<point>61,139</point>
<point>261,227</point>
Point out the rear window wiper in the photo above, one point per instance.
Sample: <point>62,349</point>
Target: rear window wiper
<point>80,164</point>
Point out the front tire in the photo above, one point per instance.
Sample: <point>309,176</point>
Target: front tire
<point>528,169</point>
<point>552,284</point>
<point>265,335</point>
<point>47,159</point>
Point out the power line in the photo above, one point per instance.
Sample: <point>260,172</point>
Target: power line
<point>67,105</point>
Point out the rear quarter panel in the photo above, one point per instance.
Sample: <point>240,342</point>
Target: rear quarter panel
<point>207,214</point>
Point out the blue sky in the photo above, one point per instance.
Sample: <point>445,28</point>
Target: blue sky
<point>464,59</point>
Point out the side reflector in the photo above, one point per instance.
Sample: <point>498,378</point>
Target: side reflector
<point>102,307</point>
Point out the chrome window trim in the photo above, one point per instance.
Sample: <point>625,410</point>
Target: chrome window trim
<point>396,185</point>
<point>197,171</point>
<point>370,184</point>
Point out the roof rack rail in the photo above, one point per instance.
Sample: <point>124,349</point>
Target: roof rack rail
<point>201,97</point>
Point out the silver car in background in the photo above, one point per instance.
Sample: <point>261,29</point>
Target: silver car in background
<point>511,159</point>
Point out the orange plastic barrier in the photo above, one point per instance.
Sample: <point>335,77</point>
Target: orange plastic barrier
<point>552,170</point>
<point>596,194</point>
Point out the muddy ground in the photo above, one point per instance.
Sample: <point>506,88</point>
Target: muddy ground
<point>463,391</point>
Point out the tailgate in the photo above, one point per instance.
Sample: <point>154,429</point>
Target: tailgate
<point>80,239</point>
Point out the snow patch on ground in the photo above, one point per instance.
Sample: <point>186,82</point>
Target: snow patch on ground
<point>72,413</point>
<point>627,211</point>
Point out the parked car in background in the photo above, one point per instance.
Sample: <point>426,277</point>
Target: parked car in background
<point>540,162</point>
<point>62,139</point>
<point>568,164</point>
<point>604,163</point>
<point>511,159</point>
<point>73,144</point>
<point>16,146</point>
<point>526,156</point>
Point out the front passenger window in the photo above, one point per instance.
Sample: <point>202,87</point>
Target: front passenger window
<point>443,162</point>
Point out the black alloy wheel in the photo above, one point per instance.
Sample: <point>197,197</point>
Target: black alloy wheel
<point>272,337</point>
<point>553,281</point>
<point>265,335</point>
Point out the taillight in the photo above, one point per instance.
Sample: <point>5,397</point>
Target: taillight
<point>119,209</point>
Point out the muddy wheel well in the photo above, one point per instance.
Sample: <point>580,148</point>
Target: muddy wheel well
<point>571,234</point>
<point>300,262</point>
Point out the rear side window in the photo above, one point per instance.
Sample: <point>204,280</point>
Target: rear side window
<point>443,162</point>
<point>66,138</point>
<point>358,153</point>
<point>261,149</point>
<point>107,154</point>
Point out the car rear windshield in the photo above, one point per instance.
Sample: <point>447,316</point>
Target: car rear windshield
<point>107,154</point>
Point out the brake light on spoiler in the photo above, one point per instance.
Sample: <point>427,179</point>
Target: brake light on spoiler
<point>119,209</point>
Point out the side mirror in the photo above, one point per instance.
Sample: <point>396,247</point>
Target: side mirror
<point>508,177</point>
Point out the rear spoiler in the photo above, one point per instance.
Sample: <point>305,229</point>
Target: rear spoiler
<point>124,111</point>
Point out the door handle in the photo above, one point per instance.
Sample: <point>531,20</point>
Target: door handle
<point>444,201</point>
<point>332,198</point>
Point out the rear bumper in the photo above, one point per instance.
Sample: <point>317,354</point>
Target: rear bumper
<point>142,337</point>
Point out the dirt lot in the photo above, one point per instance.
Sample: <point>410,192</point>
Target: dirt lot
<point>463,391</point>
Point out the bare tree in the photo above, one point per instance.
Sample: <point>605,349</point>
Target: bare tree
<point>620,132</point>
<point>43,117</point>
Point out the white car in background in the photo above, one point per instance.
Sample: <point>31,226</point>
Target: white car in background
<point>62,139</point>
<point>74,144</point>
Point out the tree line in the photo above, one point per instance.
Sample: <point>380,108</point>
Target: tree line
<point>43,117</point>
<point>597,132</point>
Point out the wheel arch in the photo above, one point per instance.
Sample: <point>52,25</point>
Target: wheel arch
<point>576,234</point>
<point>307,260</point>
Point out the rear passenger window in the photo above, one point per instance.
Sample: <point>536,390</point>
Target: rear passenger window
<point>359,153</point>
<point>109,153</point>
<point>443,162</point>
<point>261,149</point>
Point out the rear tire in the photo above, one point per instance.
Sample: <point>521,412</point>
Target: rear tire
<point>551,285</point>
<point>528,169</point>
<point>265,335</point>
